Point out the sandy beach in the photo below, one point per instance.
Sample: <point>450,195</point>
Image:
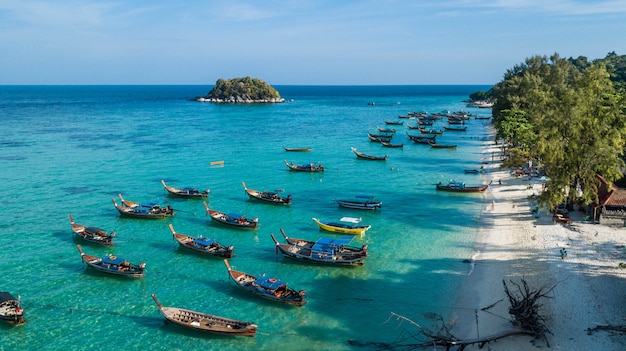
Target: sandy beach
<point>590,287</point>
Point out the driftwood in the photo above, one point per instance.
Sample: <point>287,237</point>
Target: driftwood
<point>615,328</point>
<point>524,310</point>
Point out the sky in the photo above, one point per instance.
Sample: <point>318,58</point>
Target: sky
<point>296,42</point>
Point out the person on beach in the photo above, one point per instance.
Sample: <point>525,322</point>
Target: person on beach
<point>563,253</point>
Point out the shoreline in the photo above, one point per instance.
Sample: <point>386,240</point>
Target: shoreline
<point>589,287</point>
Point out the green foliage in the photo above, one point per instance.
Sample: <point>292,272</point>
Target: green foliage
<point>566,115</point>
<point>481,95</point>
<point>514,127</point>
<point>243,88</point>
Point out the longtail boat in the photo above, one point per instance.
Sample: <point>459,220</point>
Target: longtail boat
<point>10,309</point>
<point>297,149</point>
<point>113,264</point>
<point>324,250</point>
<point>91,234</point>
<point>460,187</point>
<point>233,219</point>
<point>386,130</point>
<point>267,287</point>
<point>185,192</point>
<point>458,129</point>
<point>398,123</point>
<point>267,196</point>
<point>386,144</point>
<point>421,139</point>
<point>347,225</point>
<point>206,322</point>
<point>360,202</point>
<point>368,157</point>
<point>311,167</point>
<point>441,146</point>
<point>142,210</point>
<point>379,137</point>
<point>202,245</point>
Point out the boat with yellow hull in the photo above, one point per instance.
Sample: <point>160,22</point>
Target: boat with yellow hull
<point>347,225</point>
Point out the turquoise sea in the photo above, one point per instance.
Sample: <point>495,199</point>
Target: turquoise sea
<point>70,149</point>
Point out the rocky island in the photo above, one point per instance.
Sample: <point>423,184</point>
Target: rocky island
<point>242,90</point>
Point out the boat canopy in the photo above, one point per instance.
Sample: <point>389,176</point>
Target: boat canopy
<point>328,245</point>
<point>456,185</point>
<point>5,296</point>
<point>204,241</point>
<point>269,283</point>
<point>350,220</point>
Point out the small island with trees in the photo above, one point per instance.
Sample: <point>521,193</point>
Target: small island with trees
<point>242,90</point>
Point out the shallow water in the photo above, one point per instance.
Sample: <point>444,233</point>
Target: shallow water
<point>69,150</point>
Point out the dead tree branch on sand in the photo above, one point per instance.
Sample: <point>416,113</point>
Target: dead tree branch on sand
<point>524,310</point>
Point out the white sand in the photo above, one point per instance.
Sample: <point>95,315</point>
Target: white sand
<point>590,287</point>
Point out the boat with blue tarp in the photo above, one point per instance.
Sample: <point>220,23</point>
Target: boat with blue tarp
<point>185,192</point>
<point>268,287</point>
<point>460,187</point>
<point>233,219</point>
<point>324,250</point>
<point>202,245</point>
<point>113,264</point>
<point>149,210</point>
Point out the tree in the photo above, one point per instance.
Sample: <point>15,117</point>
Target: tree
<point>576,118</point>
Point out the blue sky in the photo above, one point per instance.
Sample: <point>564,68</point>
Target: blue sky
<point>320,42</point>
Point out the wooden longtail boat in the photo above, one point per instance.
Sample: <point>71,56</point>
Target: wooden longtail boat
<point>386,130</point>
<point>113,265</point>
<point>297,149</point>
<point>368,157</point>
<point>206,322</point>
<point>425,122</point>
<point>138,210</point>
<point>10,309</point>
<point>91,234</point>
<point>267,196</point>
<point>460,187</point>
<point>311,167</point>
<point>360,202</point>
<point>202,245</point>
<point>398,123</point>
<point>233,219</point>
<point>458,129</point>
<point>347,225</point>
<point>421,139</point>
<point>379,137</point>
<point>267,287</point>
<point>474,171</point>
<point>386,144</point>
<point>324,250</point>
<point>430,131</point>
<point>441,146</point>
<point>185,192</point>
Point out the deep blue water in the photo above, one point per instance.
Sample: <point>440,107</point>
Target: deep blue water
<point>70,149</point>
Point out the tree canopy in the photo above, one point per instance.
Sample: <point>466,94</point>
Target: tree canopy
<point>567,116</point>
<point>243,90</point>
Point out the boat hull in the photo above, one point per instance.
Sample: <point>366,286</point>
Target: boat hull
<point>339,228</point>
